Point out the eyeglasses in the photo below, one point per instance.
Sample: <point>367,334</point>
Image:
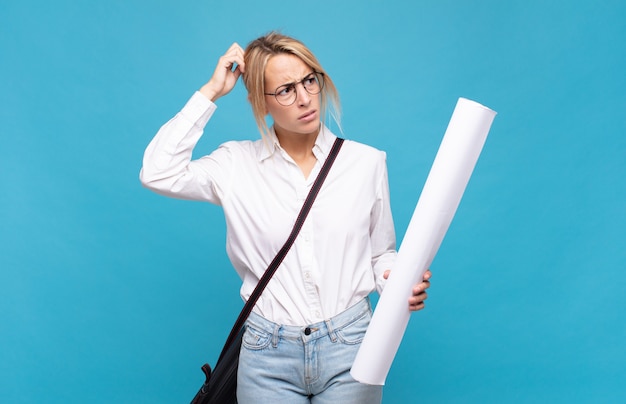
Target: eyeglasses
<point>286,94</point>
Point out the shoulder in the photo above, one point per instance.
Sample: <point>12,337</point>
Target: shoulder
<point>239,148</point>
<point>363,152</point>
<point>233,153</point>
<point>361,163</point>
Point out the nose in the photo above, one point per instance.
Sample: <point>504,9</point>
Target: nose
<point>304,98</point>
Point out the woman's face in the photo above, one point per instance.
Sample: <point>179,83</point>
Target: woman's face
<point>303,116</point>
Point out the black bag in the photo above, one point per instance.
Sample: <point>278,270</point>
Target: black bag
<point>220,386</point>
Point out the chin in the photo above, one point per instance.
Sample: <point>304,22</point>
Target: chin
<point>313,127</point>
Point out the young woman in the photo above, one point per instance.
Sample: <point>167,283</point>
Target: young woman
<point>302,337</point>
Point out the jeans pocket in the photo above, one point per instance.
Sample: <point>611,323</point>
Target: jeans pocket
<point>255,339</point>
<point>353,333</point>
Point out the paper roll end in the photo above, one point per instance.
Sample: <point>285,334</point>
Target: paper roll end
<point>468,102</point>
<point>363,379</point>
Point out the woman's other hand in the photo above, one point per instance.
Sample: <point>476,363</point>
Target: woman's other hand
<point>416,301</point>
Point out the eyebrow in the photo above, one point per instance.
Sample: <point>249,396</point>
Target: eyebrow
<point>296,82</point>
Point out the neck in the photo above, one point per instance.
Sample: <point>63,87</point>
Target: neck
<point>299,147</point>
<point>296,144</point>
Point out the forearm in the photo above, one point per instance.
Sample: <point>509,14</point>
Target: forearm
<point>167,165</point>
<point>382,231</point>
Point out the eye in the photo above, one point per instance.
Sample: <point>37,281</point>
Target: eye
<point>285,90</point>
<point>310,79</point>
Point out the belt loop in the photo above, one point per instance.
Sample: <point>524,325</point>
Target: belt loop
<point>331,330</point>
<point>275,335</point>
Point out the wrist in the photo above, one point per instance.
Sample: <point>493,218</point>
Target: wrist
<point>209,92</point>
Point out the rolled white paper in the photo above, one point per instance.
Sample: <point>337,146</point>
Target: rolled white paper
<point>459,150</point>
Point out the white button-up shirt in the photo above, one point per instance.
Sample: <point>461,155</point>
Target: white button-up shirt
<point>345,245</point>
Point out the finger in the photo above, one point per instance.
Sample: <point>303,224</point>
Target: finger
<point>228,62</point>
<point>418,300</point>
<point>420,287</point>
<point>420,297</point>
<point>416,307</point>
<point>427,274</point>
<point>235,55</point>
<point>235,47</point>
<point>386,274</point>
<point>237,72</point>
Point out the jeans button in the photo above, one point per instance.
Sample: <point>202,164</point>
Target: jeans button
<point>307,331</point>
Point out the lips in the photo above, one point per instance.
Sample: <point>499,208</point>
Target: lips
<point>308,116</point>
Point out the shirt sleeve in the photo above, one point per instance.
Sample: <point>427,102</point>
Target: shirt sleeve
<point>382,231</point>
<point>168,168</point>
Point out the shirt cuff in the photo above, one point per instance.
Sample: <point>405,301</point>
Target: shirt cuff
<point>198,109</point>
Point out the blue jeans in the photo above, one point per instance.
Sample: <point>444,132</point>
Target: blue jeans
<point>311,364</point>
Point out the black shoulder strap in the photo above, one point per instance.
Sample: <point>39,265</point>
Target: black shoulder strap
<point>280,256</point>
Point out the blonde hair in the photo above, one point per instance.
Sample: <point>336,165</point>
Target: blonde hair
<point>259,52</point>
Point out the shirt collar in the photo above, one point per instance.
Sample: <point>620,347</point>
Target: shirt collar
<point>268,146</point>
<point>323,144</point>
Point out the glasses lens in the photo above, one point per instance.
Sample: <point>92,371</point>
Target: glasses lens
<point>286,95</point>
<point>313,83</point>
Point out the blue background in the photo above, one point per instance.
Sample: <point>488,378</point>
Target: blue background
<point>112,294</point>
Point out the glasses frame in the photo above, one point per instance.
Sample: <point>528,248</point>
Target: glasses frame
<point>319,76</point>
